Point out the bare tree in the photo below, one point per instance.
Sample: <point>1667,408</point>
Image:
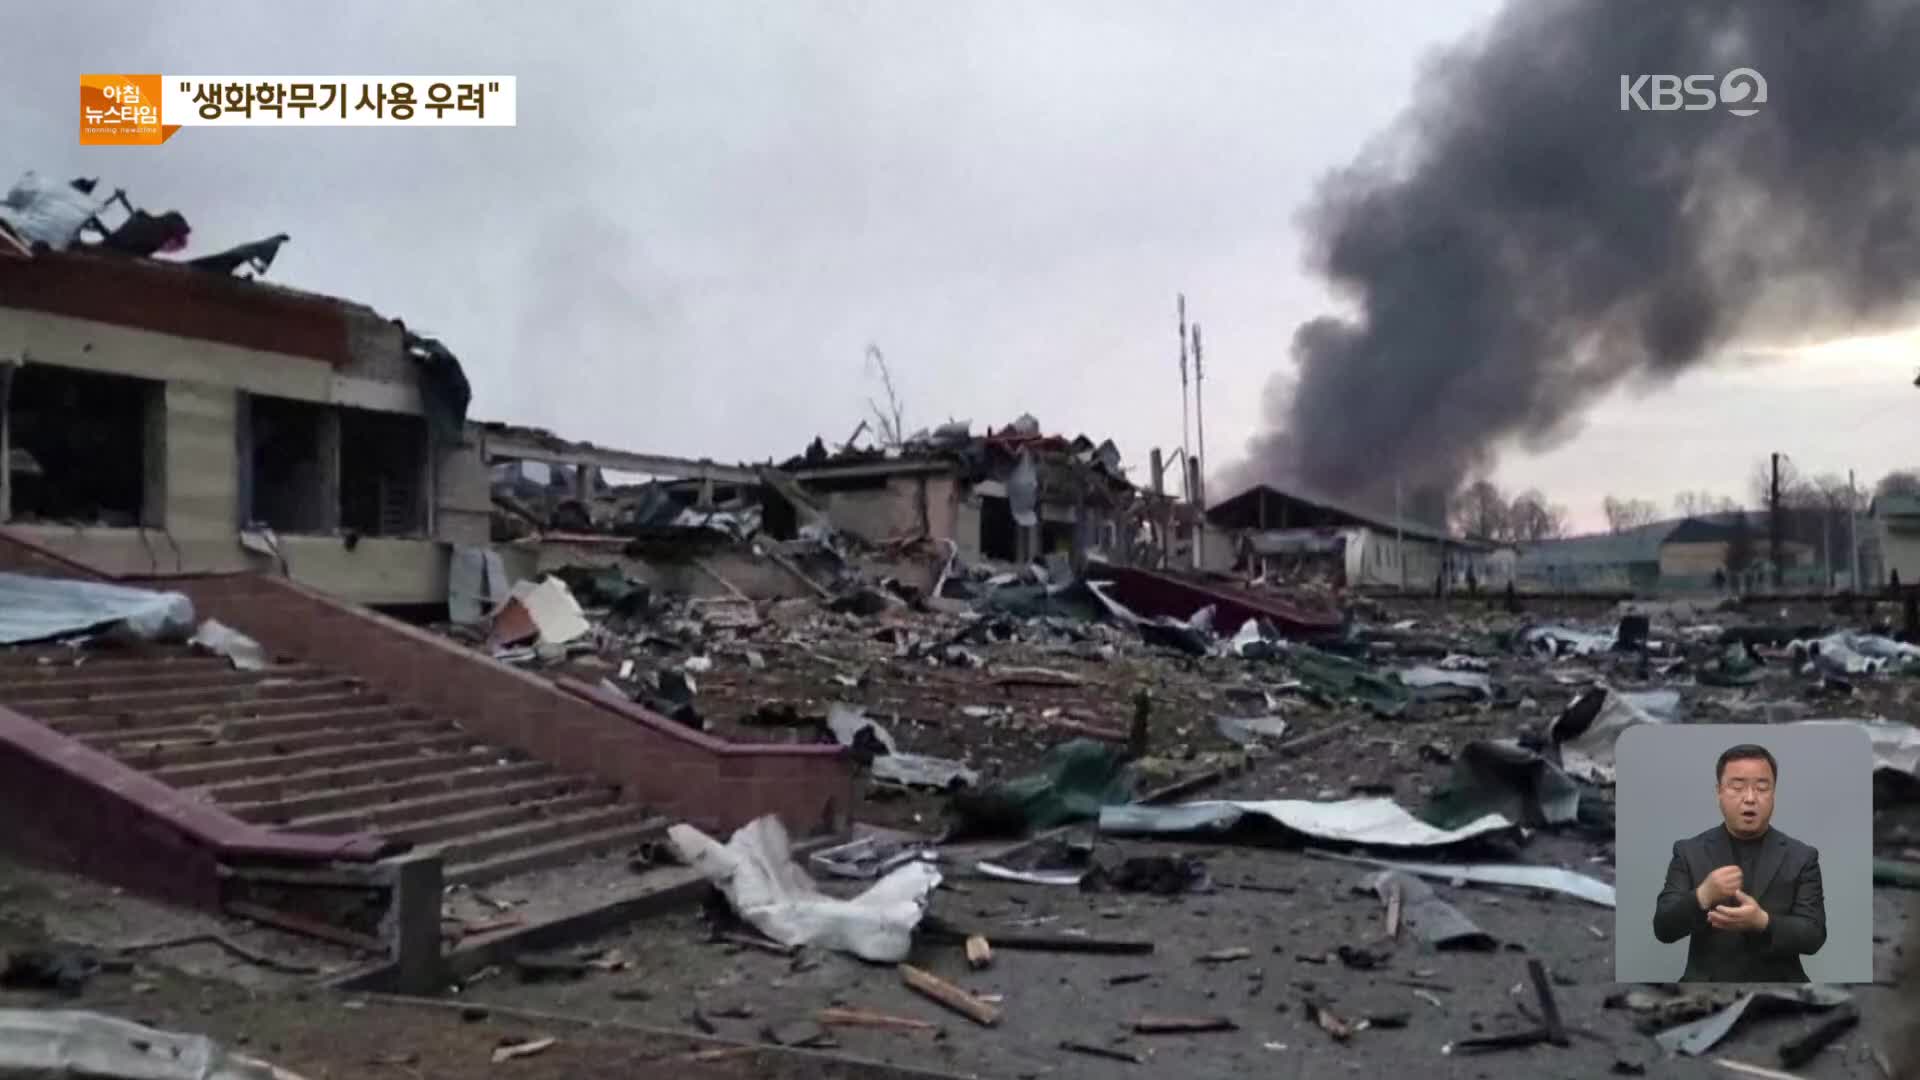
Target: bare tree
<point>888,422</point>
<point>1898,482</point>
<point>1481,510</point>
<point>1695,504</point>
<point>1624,514</point>
<point>1536,519</point>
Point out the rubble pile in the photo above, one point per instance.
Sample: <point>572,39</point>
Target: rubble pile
<point>1439,752</point>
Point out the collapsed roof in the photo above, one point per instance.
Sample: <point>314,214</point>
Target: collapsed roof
<point>39,213</point>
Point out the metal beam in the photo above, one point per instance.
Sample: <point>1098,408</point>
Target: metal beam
<point>496,446</point>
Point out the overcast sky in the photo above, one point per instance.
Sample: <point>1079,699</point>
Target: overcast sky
<point>708,210</point>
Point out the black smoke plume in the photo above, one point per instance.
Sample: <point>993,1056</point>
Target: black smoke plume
<point>1519,244</point>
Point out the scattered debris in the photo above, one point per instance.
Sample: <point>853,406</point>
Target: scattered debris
<point>1804,1047</point>
<point>945,993</point>
<point>1432,920</point>
<point>54,1043</point>
<point>763,884</point>
<point>1702,1035</point>
<point>979,952</point>
<point>840,1017</point>
<point>1183,1025</point>
<point>1096,1050</point>
<point>222,640</point>
<point>1370,822</point>
<point>522,1049</point>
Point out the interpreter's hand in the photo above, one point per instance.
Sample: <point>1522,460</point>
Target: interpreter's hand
<point>1746,915</point>
<point>1719,886</point>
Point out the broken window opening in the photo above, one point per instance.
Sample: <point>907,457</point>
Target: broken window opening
<point>998,537</point>
<point>383,473</point>
<point>291,449</point>
<point>79,447</point>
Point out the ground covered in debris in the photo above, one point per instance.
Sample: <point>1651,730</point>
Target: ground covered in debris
<point>61,948</point>
<point>1449,709</point>
<point>1277,933</point>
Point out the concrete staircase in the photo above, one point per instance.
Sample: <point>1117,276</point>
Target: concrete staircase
<point>304,749</point>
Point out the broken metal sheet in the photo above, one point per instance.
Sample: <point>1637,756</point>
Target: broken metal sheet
<point>756,872</point>
<point>921,770</point>
<point>476,584</point>
<point>223,640</point>
<point>1434,921</point>
<point>849,723</point>
<point>1551,878</point>
<point>1702,1035</point>
<point>1030,877</point>
<point>1502,777</point>
<point>45,1042</point>
<point>1369,822</point>
<point>1587,730</point>
<point>48,211</point>
<point>1566,641</point>
<point>1247,729</point>
<point>1442,684</point>
<point>545,612</point>
<point>43,608</point>
<point>868,857</point>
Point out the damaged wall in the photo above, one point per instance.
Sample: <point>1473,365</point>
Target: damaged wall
<point>878,509</point>
<point>195,458</point>
<point>760,578</point>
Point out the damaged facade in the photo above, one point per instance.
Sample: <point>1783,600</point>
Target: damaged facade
<point>1311,540</point>
<point>1012,495</point>
<point>163,416</point>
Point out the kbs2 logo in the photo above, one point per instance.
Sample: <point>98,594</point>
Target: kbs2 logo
<point>1741,92</point>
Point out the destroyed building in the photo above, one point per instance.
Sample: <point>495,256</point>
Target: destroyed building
<point>163,416</point>
<point>1292,536</point>
<point>1013,494</point>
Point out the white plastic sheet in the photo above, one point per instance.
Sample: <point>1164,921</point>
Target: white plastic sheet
<point>36,1042</point>
<point>222,640</point>
<point>756,872</point>
<point>1437,682</point>
<point>48,212</point>
<point>1369,822</point>
<point>40,609</point>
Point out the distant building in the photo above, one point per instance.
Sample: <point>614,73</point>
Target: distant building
<point>1896,528</point>
<point>1299,536</point>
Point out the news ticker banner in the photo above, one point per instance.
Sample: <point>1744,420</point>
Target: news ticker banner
<point>145,110</point>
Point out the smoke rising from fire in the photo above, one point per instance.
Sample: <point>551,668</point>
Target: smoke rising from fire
<point>1518,244</point>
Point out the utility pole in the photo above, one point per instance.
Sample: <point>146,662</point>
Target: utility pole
<point>1199,419</point>
<point>1853,535</point>
<point>1186,449</point>
<point>1774,524</point>
<point>1399,536</point>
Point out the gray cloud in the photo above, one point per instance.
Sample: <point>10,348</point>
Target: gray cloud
<point>708,210</point>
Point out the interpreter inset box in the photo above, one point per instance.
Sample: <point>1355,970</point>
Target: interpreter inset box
<point>1743,853</point>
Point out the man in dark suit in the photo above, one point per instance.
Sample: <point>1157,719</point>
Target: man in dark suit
<point>1746,894</point>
